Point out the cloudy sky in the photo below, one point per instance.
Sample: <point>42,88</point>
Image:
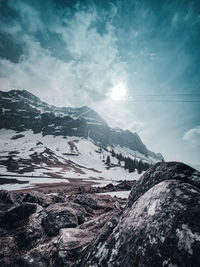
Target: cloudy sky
<point>137,63</point>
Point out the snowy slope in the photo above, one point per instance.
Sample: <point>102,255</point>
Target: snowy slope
<point>38,139</point>
<point>45,156</point>
<point>22,111</point>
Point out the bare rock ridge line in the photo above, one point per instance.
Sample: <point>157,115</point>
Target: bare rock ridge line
<point>159,225</point>
<point>21,111</point>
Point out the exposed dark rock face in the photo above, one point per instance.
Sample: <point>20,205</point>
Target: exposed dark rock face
<point>38,197</point>
<point>17,136</point>
<point>89,201</point>
<point>63,216</point>
<point>11,181</point>
<point>6,197</point>
<point>17,214</point>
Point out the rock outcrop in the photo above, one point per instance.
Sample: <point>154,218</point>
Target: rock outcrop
<point>88,201</point>
<point>162,228</point>
<point>63,216</point>
<point>38,197</point>
<point>32,235</point>
<point>158,226</point>
<point>163,172</point>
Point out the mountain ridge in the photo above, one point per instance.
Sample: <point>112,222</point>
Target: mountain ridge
<point>21,110</point>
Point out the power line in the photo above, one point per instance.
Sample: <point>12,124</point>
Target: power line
<point>190,101</point>
<point>167,95</point>
<point>190,98</point>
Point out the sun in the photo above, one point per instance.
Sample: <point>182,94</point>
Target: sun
<point>118,92</point>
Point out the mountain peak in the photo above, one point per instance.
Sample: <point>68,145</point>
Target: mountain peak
<point>21,110</point>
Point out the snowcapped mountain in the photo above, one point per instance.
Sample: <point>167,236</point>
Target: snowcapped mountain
<point>41,139</point>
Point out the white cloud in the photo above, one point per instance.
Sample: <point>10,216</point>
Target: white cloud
<point>93,68</point>
<point>193,136</point>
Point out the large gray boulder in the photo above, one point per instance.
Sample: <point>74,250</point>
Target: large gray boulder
<point>161,226</point>
<point>164,171</point>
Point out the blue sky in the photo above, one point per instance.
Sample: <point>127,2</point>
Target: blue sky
<point>135,62</point>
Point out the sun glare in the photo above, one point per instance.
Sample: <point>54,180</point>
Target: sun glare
<point>118,92</point>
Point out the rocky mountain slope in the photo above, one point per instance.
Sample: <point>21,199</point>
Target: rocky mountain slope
<point>43,140</point>
<point>158,226</point>
<point>21,111</point>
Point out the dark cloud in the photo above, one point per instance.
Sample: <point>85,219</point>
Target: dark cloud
<point>9,49</point>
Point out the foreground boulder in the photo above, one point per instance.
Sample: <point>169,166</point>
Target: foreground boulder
<point>73,241</point>
<point>62,216</point>
<point>38,197</point>
<point>43,255</point>
<point>8,200</point>
<point>160,228</point>
<point>163,171</point>
<point>70,245</point>
<point>17,214</point>
<point>6,197</point>
<point>20,230</point>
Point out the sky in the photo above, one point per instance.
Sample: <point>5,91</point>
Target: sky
<point>135,62</point>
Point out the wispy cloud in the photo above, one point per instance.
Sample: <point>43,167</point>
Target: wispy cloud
<point>90,68</point>
<point>193,136</point>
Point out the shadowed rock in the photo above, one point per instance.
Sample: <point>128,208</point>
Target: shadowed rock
<point>62,216</point>
<point>17,214</point>
<point>6,199</point>
<point>87,200</point>
<point>38,197</point>
<point>41,256</point>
